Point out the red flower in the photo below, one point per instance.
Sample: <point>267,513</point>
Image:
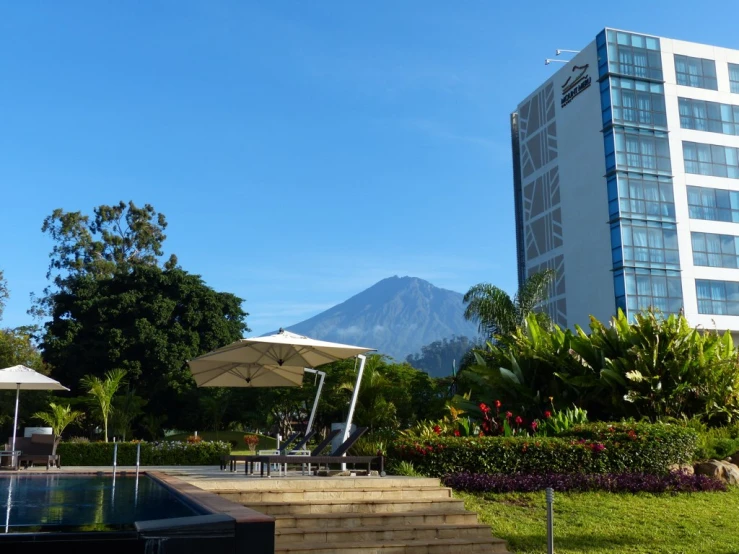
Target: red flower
<point>508,415</point>
<point>437,429</point>
<point>519,420</point>
<point>497,404</point>
<point>547,414</point>
<point>534,425</point>
<point>632,434</point>
<point>456,432</point>
<point>481,434</point>
<point>485,409</point>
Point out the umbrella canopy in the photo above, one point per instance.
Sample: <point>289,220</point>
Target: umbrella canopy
<point>272,361</point>
<point>278,360</point>
<point>21,377</point>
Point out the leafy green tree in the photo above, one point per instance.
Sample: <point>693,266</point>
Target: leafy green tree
<point>103,391</point>
<point>17,348</point>
<point>4,293</point>
<point>441,358</point>
<point>127,408</point>
<point>496,313</point>
<point>59,418</point>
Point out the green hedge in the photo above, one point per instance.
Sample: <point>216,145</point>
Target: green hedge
<point>592,448</point>
<point>152,453</point>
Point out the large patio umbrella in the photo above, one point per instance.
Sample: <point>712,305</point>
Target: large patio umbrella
<point>278,360</point>
<point>21,377</point>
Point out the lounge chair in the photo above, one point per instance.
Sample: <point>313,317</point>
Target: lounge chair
<point>336,457</point>
<point>37,449</point>
<point>315,452</point>
<point>231,459</point>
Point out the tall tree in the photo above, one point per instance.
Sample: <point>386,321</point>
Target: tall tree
<point>103,391</point>
<point>441,357</point>
<point>114,303</point>
<point>496,313</point>
<point>4,293</point>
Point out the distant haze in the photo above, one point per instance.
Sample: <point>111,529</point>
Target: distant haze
<point>396,316</point>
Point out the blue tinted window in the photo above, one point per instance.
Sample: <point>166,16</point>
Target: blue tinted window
<point>634,55</point>
<point>642,151</point>
<point>695,72</point>
<point>638,103</point>
<point>653,289</point>
<point>646,197</point>
<point>711,159</point>
<point>713,204</point>
<point>650,244</point>
<point>714,250</point>
<point>713,117</point>
<point>734,77</point>
<point>717,297</point>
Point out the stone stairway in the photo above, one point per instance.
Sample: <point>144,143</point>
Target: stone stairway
<point>367,515</point>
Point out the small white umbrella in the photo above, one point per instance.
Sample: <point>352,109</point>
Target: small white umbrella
<point>277,360</point>
<point>21,377</point>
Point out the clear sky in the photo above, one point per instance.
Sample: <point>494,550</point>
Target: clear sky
<point>301,151</point>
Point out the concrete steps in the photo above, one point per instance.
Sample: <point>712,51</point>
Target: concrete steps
<point>338,506</point>
<point>349,520</point>
<point>438,546</point>
<point>367,515</point>
<point>344,494</point>
<point>373,534</point>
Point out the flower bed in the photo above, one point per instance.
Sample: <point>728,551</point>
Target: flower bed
<point>591,448</point>
<point>677,481</point>
<point>152,453</point>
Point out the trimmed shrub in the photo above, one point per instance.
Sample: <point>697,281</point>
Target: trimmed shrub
<point>674,482</point>
<point>591,448</point>
<point>152,453</point>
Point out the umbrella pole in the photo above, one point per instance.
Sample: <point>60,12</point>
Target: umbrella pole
<point>318,395</point>
<point>348,429</point>
<point>15,421</point>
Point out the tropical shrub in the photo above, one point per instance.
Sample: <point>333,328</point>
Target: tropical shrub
<point>152,453</point>
<point>600,448</point>
<point>657,367</point>
<point>672,482</point>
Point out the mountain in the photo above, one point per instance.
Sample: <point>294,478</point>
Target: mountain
<point>396,316</point>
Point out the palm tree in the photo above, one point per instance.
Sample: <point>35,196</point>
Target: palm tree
<point>498,314</point>
<point>58,418</point>
<point>103,391</point>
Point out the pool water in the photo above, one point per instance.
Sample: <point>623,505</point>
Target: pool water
<point>41,503</point>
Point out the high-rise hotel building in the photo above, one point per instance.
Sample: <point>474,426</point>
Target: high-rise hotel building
<point>626,179</point>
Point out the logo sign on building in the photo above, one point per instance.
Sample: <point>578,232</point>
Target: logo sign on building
<point>576,83</point>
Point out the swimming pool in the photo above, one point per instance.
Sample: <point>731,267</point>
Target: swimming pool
<point>147,513</point>
<point>67,503</point>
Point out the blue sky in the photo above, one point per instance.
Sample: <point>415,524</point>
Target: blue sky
<point>301,151</point>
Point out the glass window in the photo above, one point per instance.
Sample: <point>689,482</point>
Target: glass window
<point>717,297</point>
<point>713,204</point>
<point>645,151</point>
<point>696,72</point>
<point>649,244</point>
<point>711,159</point>
<point>638,103</point>
<point>644,197</point>
<point>634,55</point>
<point>714,250</point>
<point>734,77</point>
<point>713,117</point>
<point>652,289</point>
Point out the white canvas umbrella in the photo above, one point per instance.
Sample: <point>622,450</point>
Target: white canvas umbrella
<point>21,377</point>
<point>278,360</point>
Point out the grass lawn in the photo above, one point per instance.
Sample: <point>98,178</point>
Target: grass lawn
<point>265,443</point>
<point>694,523</point>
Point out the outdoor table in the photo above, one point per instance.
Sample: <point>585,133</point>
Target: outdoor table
<point>13,455</point>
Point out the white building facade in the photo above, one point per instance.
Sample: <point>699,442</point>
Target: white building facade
<point>626,181</point>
